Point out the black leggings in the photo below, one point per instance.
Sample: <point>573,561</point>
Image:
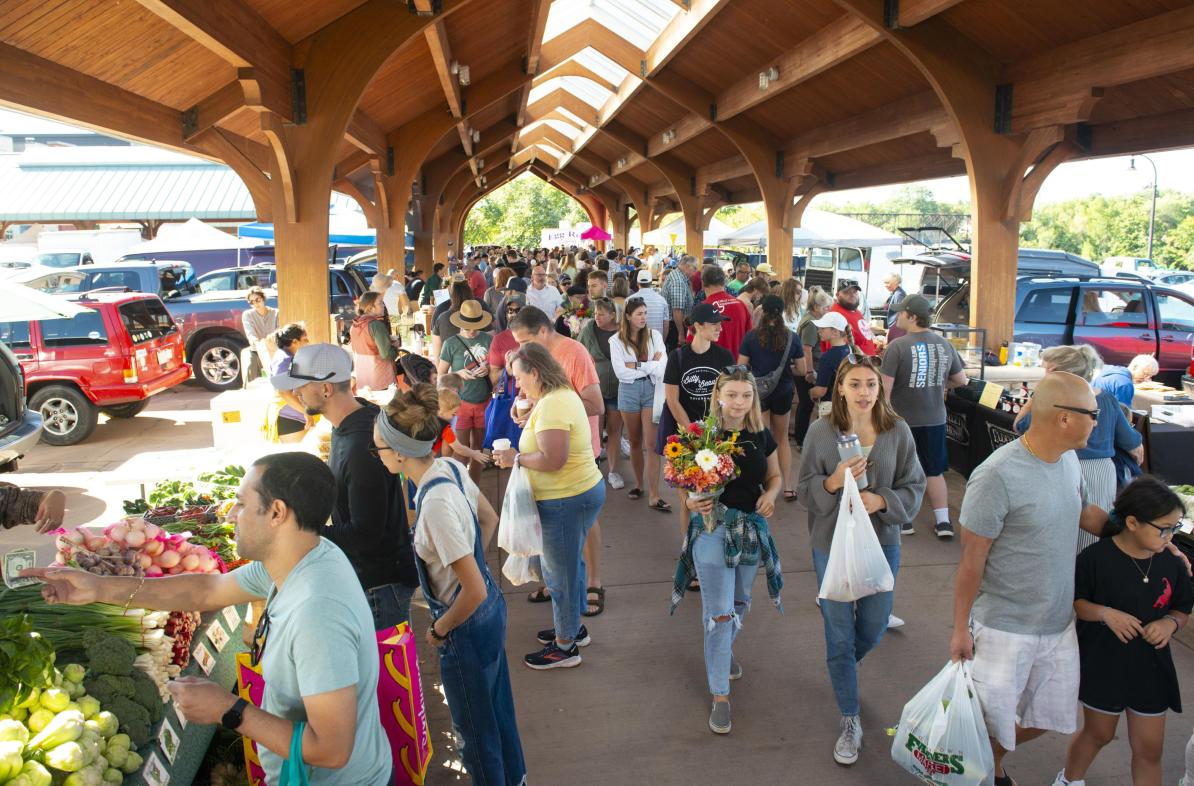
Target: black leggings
<point>804,410</point>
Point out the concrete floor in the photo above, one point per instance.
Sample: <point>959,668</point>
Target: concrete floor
<point>635,711</point>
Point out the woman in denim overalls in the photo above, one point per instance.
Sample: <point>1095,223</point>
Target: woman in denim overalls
<point>469,627</point>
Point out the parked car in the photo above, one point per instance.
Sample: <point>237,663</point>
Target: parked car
<point>236,279</point>
<point>110,359</point>
<point>211,325</point>
<point>1141,266</point>
<point>20,427</point>
<point>1120,317</point>
<point>64,258</point>
<point>165,278</point>
<point>1173,278</point>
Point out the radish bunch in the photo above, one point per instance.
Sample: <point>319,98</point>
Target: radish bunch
<point>135,544</point>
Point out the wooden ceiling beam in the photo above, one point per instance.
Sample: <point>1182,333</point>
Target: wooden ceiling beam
<point>215,109</point>
<point>237,34</point>
<point>536,25</point>
<point>687,128</point>
<point>577,69</point>
<point>913,12</point>
<point>919,113</point>
<point>560,98</point>
<point>441,56</point>
<point>364,133</point>
<point>720,171</point>
<point>904,171</point>
<point>544,132</point>
<point>1167,131</point>
<point>678,32</point>
<point>590,33</point>
<point>830,46</point>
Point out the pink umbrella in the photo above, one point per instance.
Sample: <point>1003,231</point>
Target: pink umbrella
<point>595,233</point>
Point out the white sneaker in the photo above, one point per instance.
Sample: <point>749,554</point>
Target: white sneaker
<point>615,480</point>
<point>894,622</point>
<point>1061,781</point>
<point>625,448</point>
<point>845,751</point>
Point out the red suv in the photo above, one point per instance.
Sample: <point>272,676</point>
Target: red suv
<point>110,359</point>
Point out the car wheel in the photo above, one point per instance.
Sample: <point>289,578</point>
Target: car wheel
<point>217,365</point>
<point>68,417</point>
<point>130,410</point>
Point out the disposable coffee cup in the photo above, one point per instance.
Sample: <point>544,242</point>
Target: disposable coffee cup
<point>501,444</point>
<point>522,404</point>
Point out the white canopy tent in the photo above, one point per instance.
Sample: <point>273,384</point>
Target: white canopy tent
<point>663,237</point>
<point>190,235</point>
<point>817,229</point>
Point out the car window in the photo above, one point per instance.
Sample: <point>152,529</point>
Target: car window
<point>112,278</point>
<point>849,259</point>
<point>146,320</point>
<point>254,279</point>
<point>84,329</point>
<point>15,334</point>
<point>1049,306</point>
<point>820,258</point>
<point>220,283</point>
<point>339,287</point>
<point>58,260</point>
<point>1177,313</point>
<point>1112,308</point>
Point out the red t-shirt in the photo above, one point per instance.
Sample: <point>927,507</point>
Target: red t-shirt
<point>863,339</point>
<point>734,328</point>
<point>695,281</point>
<point>502,343</point>
<point>476,281</point>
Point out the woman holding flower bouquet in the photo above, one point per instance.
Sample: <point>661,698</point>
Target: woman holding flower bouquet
<point>639,360</point>
<point>895,484</point>
<point>733,453</point>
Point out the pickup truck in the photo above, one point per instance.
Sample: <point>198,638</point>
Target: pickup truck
<point>165,278</point>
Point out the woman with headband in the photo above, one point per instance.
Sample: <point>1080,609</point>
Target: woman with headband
<point>468,612</point>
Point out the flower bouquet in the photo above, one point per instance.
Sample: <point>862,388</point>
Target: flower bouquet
<point>576,315</point>
<point>699,460</point>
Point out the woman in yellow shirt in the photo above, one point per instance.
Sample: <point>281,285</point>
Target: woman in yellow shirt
<point>556,450</point>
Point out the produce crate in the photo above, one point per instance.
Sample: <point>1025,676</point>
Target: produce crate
<point>193,738</point>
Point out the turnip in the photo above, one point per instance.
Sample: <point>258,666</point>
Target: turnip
<point>190,562</point>
<point>117,533</point>
<point>145,561</point>
<point>208,564</point>
<point>152,530</point>
<point>153,572</point>
<point>135,538</point>
<point>168,559</point>
<point>154,547</point>
<point>94,542</point>
<point>174,571</point>
<point>76,537</point>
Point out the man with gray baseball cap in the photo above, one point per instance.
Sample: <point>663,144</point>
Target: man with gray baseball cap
<point>918,368</point>
<point>369,516</point>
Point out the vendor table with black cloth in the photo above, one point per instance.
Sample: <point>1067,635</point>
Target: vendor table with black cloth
<point>973,432</point>
<point>1170,452</point>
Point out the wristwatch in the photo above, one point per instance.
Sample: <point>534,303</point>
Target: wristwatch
<point>233,717</point>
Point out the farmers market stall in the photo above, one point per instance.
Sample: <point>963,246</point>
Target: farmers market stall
<point>104,715</point>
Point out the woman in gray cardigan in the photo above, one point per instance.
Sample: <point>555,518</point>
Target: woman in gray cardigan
<point>895,485</point>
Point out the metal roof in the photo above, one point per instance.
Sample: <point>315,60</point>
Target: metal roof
<point>42,191</point>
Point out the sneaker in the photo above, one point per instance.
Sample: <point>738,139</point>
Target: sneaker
<point>735,669</point>
<point>845,751</point>
<point>719,718</point>
<point>615,480</point>
<point>552,657</point>
<point>1061,781</point>
<point>907,529</point>
<point>625,448</point>
<point>583,639</point>
<point>892,622</point>
<point>817,600</point>
<point>944,530</point>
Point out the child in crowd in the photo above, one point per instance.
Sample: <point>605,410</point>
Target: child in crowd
<point>834,332</point>
<point>1131,596</point>
<point>449,404</point>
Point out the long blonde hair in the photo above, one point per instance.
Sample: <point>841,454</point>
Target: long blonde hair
<point>641,343</point>
<point>754,418</point>
<point>790,292</point>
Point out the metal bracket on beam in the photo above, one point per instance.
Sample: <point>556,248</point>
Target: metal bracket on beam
<point>779,163</point>
<point>891,14</point>
<point>642,69</point>
<point>1003,109</point>
<point>1084,136</point>
<point>526,66</point>
<point>413,8</point>
<point>390,160</point>
<point>298,89</point>
<point>830,179</point>
<point>190,122</point>
<point>712,113</point>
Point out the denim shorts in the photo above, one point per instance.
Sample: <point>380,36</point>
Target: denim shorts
<point>636,396</point>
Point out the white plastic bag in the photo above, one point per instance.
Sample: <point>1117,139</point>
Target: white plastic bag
<point>519,531</point>
<point>520,570</point>
<point>942,738</point>
<point>856,566</point>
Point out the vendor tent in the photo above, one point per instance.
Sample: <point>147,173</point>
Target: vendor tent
<point>663,236</point>
<point>817,229</point>
<point>345,227</point>
<point>190,235</point>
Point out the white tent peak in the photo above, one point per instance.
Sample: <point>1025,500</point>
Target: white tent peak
<point>818,228</point>
<point>190,235</point>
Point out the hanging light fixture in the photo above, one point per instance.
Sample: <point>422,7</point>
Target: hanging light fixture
<point>767,77</point>
<point>463,75</point>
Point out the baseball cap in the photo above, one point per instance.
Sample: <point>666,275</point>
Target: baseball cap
<point>832,319</point>
<point>644,276</point>
<point>917,306</point>
<point>848,284</point>
<point>517,284</point>
<point>706,314</point>
<point>315,363</point>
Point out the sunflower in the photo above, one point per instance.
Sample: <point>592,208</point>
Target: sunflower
<point>673,450</point>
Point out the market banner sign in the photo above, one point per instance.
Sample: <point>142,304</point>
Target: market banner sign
<point>559,237</point>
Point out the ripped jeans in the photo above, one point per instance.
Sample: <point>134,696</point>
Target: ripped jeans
<point>724,592</point>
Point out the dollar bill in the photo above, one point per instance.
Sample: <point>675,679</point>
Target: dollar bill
<point>14,562</point>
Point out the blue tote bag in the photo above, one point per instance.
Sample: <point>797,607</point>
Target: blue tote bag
<point>498,423</point>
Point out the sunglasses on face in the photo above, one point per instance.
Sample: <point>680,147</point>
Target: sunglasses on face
<point>375,451</point>
<point>1093,413</point>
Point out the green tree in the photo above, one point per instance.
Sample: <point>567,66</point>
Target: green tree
<point>516,213</point>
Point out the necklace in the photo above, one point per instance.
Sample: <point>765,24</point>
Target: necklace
<point>1143,573</point>
<point>1028,447</point>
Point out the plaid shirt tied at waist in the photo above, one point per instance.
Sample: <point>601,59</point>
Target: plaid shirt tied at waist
<point>748,542</point>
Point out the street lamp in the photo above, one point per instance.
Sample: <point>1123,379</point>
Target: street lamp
<point>1152,213</point>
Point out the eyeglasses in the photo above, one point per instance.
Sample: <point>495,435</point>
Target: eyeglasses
<point>310,378</point>
<point>375,451</point>
<point>1166,532</point>
<point>259,635</point>
<point>1093,413</point>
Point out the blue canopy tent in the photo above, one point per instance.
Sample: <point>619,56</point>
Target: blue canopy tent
<point>363,237</point>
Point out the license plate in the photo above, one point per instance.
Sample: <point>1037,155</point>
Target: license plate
<point>165,356</point>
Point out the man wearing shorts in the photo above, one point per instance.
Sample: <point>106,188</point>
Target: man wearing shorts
<point>917,370</point>
<point>1014,589</point>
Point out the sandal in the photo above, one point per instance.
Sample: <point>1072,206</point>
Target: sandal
<point>539,596</point>
<point>789,495</point>
<point>1005,779</point>
<point>661,506</point>
<point>635,493</point>
<point>599,603</point>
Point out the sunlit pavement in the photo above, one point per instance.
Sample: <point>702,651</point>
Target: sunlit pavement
<point>635,711</point>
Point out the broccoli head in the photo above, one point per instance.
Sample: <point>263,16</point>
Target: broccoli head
<point>134,719</point>
<point>107,687</point>
<point>107,654</point>
<point>145,693</point>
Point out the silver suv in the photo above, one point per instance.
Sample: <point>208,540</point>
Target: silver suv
<point>20,428</point>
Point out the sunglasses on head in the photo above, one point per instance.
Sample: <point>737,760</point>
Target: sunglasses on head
<point>1093,413</point>
<point>310,378</point>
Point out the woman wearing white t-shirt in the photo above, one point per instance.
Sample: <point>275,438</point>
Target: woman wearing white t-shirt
<point>468,613</point>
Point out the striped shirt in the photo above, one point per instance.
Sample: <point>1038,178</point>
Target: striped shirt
<point>678,292</point>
